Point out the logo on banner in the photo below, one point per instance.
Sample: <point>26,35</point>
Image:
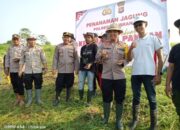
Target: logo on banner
<point>106,11</point>
<point>79,14</point>
<point>121,6</point>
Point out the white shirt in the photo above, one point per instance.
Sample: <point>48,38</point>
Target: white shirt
<point>143,55</point>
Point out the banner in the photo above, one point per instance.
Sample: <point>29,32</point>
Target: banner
<point>98,19</point>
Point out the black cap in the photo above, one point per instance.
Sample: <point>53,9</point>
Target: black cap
<point>89,34</point>
<point>177,23</point>
<point>67,34</point>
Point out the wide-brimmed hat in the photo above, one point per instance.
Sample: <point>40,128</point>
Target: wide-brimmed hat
<point>177,23</point>
<point>140,19</point>
<point>68,34</point>
<point>114,27</point>
<point>89,34</point>
<point>15,36</point>
<point>31,37</point>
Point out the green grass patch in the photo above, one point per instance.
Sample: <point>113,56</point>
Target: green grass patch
<point>75,115</point>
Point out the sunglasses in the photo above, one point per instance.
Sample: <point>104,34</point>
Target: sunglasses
<point>138,25</point>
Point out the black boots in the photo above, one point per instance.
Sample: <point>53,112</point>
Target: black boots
<point>106,107</point>
<point>135,114</point>
<point>56,101</point>
<point>153,115</point>
<point>119,111</point>
<point>89,97</point>
<point>81,94</point>
<point>68,94</point>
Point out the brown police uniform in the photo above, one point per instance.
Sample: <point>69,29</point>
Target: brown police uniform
<point>65,61</point>
<point>12,64</point>
<point>33,58</point>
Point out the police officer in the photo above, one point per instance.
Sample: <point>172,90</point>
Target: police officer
<point>12,65</point>
<point>112,56</point>
<point>33,57</point>
<point>173,74</point>
<point>144,70</point>
<point>66,62</point>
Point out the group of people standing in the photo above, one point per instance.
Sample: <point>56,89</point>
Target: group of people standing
<point>104,62</point>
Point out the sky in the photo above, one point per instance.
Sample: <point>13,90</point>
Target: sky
<point>53,17</point>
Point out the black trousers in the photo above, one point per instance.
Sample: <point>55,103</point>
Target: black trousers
<point>17,83</point>
<point>64,80</point>
<point>116,86</point>
<point>146,80</point>
<point>30,78</point>
<point>176,99</point>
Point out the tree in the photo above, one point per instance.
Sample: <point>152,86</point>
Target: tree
<point>42,39</point>
<point>24,34</point>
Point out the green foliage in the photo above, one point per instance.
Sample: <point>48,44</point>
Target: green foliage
<point>3,49</point>
<point>75,115</point>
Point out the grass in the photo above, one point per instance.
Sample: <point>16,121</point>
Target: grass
<point>75,115</point>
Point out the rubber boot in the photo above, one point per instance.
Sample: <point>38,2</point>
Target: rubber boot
<point>38,96</point>
<point>68,94</point>
<point>135,114</point>
<point>106,108</point>
<point>56,101</point>
<point>89,97</point>
<point>153,115</point>
<point>29,97</point>
<point>119,111</point>
<point>81,94</point>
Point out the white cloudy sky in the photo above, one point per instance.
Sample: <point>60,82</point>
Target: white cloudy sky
<point>52,17</point>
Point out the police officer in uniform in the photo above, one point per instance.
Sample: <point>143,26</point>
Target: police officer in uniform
<point>66,62</point>
<point>112,56</point>
<point>33,57</point>
<point>12,65</point>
